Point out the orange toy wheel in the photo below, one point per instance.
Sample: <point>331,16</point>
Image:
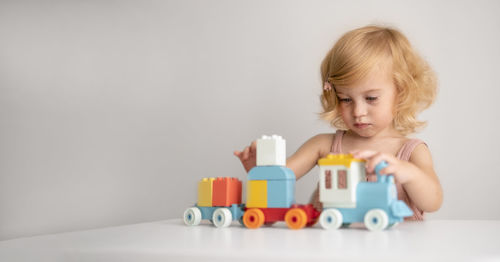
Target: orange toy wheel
<point>253,218</point>
<point>296,218</point>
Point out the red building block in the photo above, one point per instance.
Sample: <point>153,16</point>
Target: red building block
<point>226,191</point>
<point>300,216</point>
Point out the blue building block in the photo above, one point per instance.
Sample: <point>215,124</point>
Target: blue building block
<point>280,193</point>
<point>271,173</point>
<point>280,184</point>
<point>400,209</point>
<point>370,195</point>
<point>207,212</point>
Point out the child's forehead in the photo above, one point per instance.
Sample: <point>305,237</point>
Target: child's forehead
<point>378,79</point>
<point>354,89</point>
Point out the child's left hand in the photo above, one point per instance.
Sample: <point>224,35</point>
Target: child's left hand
<point>400,169</point>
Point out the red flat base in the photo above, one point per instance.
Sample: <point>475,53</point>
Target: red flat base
<point>278,214</point>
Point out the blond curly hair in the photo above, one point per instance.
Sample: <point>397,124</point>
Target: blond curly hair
<point>360,50</point>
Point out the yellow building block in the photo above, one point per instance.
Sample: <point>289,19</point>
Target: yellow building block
<point>205,192</point>
<point>340,159</point>
<point>256,193</point>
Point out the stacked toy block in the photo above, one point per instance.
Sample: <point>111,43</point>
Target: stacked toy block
<point>271,184</point>
<point>220,191</point>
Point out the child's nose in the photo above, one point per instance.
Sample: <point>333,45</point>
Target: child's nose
<point>359,109</point>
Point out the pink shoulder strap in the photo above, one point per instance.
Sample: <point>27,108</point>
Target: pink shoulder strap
<point>408,147</point>
<point>337,142</point>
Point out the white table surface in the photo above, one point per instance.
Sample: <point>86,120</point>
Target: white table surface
<point>171,240</point>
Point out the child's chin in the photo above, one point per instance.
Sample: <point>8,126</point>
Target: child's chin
<point>364,133</point>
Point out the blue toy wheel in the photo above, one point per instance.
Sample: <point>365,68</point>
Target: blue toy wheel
<point>192,216</point>
<point>330,219</point>
<point>376,220</point>
<point>222,217</point>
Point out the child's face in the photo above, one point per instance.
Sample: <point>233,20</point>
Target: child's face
<point>367,107</point>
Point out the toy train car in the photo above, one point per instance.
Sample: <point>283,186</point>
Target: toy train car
<point>348,198</point>
<point>345,195</point>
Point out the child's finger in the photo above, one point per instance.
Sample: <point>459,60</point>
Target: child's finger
<point>373,161</point>
<point>253,147</point>
<point>387,171</point>
<point>245,153</point>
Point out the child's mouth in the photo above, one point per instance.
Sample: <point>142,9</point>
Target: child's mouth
<point>361,125</point>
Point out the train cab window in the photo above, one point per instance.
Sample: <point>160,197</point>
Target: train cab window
<point>328,179</point>
<point>342,179</point>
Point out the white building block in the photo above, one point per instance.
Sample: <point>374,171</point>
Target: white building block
<point>271,151</point>
<point>330,195</point>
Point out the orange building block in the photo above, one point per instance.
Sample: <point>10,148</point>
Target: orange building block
<point>226,191</point>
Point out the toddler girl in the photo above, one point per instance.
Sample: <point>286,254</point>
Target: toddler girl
<point>374,84</point>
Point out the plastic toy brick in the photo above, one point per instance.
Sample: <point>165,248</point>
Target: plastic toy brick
<point>271,151</point>
<point>296,216</point>
<point>311,213</point>
<point>339,159</point>
<point>205,192</point>
<point>339,176</point>
<point>226,191</point>
<point>280,193</point>
<point>280,184</point>
<point>270,173</point>
<point>256,193</point>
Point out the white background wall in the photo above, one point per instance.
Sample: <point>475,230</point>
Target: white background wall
<point>111,111</point>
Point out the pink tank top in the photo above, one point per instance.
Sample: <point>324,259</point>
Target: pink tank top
<point>403,154</point>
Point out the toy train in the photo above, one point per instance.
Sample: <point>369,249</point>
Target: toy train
<point>346,196</point>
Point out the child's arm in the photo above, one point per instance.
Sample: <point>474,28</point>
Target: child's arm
<point>416,176</point>
<point>308,154</point>
<point>300,162</point>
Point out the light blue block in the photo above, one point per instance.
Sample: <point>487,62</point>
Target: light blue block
<point>280,193</point>
<point>372,194</point>
<point>270,173</point>
<point>399,208</point>
<point>206,212</point>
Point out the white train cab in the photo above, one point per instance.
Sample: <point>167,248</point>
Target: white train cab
<point>338,180</point>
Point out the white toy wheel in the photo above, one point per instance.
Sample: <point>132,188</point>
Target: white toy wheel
<point>376,220</point>
<point>192,216</point>
<point>222,217</point>
<point>330,219</point>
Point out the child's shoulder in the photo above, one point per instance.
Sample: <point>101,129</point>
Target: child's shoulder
<point>322,138</point>
<point>321,142</point>
<point>416,150</point>
<point>420,152</point>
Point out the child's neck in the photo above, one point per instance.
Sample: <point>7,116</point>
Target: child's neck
<point>387,133</point>
<point>387,139</point>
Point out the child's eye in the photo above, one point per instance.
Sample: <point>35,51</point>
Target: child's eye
<point>344,100</point>
<point>371,98</point>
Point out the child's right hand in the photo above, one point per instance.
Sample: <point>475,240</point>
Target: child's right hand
<point>248,156</point>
